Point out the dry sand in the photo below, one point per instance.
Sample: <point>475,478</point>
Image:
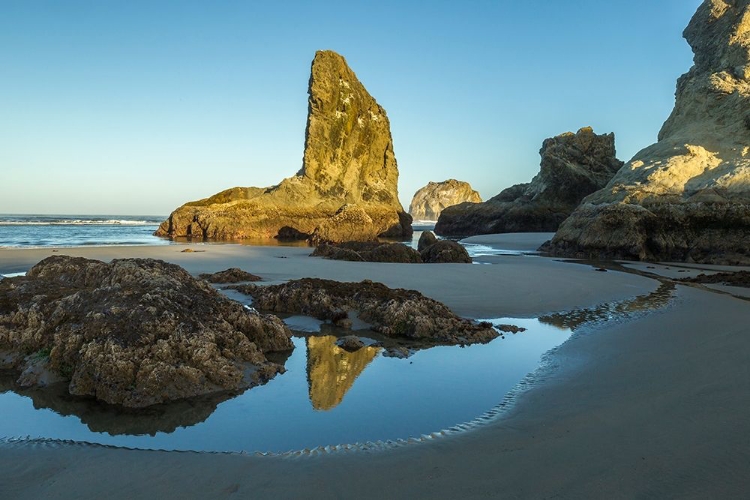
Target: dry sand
<point>654,407</point>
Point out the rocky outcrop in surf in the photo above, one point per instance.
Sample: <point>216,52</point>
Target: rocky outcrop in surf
<point>135,332</point>
<point>429,202</point>
<point>572,166</point>
<point>346,189</point>
<point>687,197</point>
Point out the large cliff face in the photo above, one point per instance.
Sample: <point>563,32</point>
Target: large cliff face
<point>346,189</point>
<point>687,197</point>
<point>572,166</point>
<point>435,197</point>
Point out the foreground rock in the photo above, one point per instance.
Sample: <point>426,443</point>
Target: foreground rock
<point>231,275</point>
<point>431,200</point>
<point>346,189</point>
<point>135,332</point>
<point>391,312</point>
<point>687,197</point>
<point>572,166</point>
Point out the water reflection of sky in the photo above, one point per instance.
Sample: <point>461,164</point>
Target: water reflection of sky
<point>387,398</point>
<point>326,397</point>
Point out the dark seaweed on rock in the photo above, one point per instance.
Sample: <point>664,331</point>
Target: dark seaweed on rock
<point>431,251</point>
<point>134,332</point>
<point>231,275</point>
<point>394,312</point>
<point>739,278</point>
<point>368,251</point>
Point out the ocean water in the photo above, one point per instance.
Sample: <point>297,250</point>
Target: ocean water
<point>35,231</point>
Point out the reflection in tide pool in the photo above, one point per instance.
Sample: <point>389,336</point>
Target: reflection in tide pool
<point>327,396</point>
<point>366,397</point>
<point>331,370</point>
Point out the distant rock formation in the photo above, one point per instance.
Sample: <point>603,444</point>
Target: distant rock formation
<point>135,332</point>
<point>573,166</point>
<point>346,189</point>
<point>687,197</point>
<point>332,370</point>
<point>432,199</point>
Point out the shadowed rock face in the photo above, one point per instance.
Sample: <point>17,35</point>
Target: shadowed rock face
<point>687,197</point>
<point>346,189</point>
<point>572,166</point>
<point>435,197</point>
<point>135,332</point>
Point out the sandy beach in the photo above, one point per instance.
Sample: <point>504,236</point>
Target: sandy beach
<point>654,406</point>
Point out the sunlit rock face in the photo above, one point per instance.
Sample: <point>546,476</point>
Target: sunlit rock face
<point>429,202</point>
<point>572,166</point>
<point>346,189</point>
<point>331,370</point>
<point>687,197</point>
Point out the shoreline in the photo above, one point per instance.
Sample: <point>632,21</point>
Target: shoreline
<point>619,409</point>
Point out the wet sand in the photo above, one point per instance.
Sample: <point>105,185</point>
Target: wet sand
<point>652,407</point>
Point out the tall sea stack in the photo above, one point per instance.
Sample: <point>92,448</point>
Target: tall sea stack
<point>687,197</point>
<point>347,188</point>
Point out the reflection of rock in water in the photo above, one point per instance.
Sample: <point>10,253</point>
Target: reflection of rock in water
<point>612,311</point>
<point>115,420</point>
<point>331,370</point>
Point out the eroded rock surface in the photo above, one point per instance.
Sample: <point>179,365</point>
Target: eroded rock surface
<point>687,197</point>
<point>572,166</point>
<point>429,202</point>
<point>368,251</point>
<point>135,332</point>
<point>431,251</point>
<point>346,189</point>
<point>231,275</point>
<point>391,312</point>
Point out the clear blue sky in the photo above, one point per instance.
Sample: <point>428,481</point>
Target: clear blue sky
<point>135,107</point>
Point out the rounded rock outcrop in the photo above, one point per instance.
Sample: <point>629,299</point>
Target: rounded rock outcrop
<point>429,202</point>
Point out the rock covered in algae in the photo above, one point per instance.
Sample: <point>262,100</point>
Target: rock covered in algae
<point>572,166</point>
<point>391,312</point>
<point>687,197</point>
<point>134,332</point>
<point>347,188</point>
